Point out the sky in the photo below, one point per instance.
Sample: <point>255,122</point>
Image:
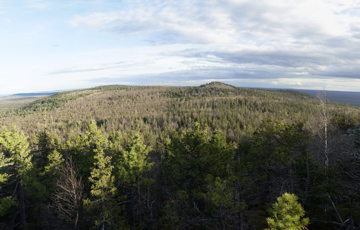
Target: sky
<point>72,44</point>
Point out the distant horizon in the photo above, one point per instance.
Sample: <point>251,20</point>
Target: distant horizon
<point>250,87</point>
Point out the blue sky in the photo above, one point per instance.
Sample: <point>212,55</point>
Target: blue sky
<point>69,44</point>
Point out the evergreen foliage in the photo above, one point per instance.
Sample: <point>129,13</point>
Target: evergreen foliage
<point>208,157</point>
<point>16,167</point>
<point>287,213</point>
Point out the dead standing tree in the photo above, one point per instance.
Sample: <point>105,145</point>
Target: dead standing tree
<point>323,133</point>
<point>68,194</point>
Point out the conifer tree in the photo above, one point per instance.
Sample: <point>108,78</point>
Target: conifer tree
<point>103,190</point>
<point>287,214</point>
<point>132,166</point>
<point>133,162</point>
<point>55,160</point>
<point>193,158</point>
<point>15,166</point>
<point>82,149</point>
<point>47,143</point>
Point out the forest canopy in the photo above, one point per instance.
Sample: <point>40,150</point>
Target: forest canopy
<point>156,157</point>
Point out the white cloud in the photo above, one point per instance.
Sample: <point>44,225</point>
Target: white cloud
<point>281,40</point>
<point>271,23</point>
<point>166,22</point>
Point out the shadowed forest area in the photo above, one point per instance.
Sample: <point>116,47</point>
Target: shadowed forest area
<point>156,157</point>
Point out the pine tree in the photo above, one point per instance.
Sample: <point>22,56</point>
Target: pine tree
<point>287,214</point>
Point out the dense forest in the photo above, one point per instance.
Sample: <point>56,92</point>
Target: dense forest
<point>155,157</point>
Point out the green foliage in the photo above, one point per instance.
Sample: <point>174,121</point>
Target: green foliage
<point>101,179</point>
<point>196,161</point>
<point>273,151</point>
<point>55,161</point>
<point>4,161</point>
<point>192,155</point>
<point>280,140</point>
<point>6,204</point>
<point>287,213</point>
<point>221,193</point>
<point>342,122</point>
<point>14,146</point>
<point>133,162</point>
<point>102,188</point>
<point>18,166</point>
<point>208,157</point>
<point>83,146</point>
<point>169,219</point>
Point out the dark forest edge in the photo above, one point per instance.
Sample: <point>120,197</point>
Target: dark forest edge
<point>208,157</point>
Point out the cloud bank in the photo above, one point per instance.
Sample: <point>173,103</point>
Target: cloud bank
<point>244,39</point>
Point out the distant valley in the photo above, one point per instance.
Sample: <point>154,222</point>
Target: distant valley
<point>342,97</point>
<point>17,100</point>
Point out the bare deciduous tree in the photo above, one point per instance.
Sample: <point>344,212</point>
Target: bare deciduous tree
<point>68,194</point>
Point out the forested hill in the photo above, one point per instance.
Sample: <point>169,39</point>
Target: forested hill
<point>214,156</point>
<point>232,109</point>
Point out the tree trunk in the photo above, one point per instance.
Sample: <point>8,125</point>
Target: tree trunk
<point>322,98</point>
<point>22,207</point>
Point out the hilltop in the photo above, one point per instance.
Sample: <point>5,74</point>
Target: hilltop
<point>216,84</point>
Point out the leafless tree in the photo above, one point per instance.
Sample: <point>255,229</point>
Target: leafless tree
<point>68,194</point>
<point>323,134</point>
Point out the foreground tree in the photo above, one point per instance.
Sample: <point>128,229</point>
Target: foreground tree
<point>15,167</point>
<point>132,166</point>
<point>68,195</point>
<point>275,147</point>
<point>287,214</point>
<point>102,204</point>
<point>198,167</point>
